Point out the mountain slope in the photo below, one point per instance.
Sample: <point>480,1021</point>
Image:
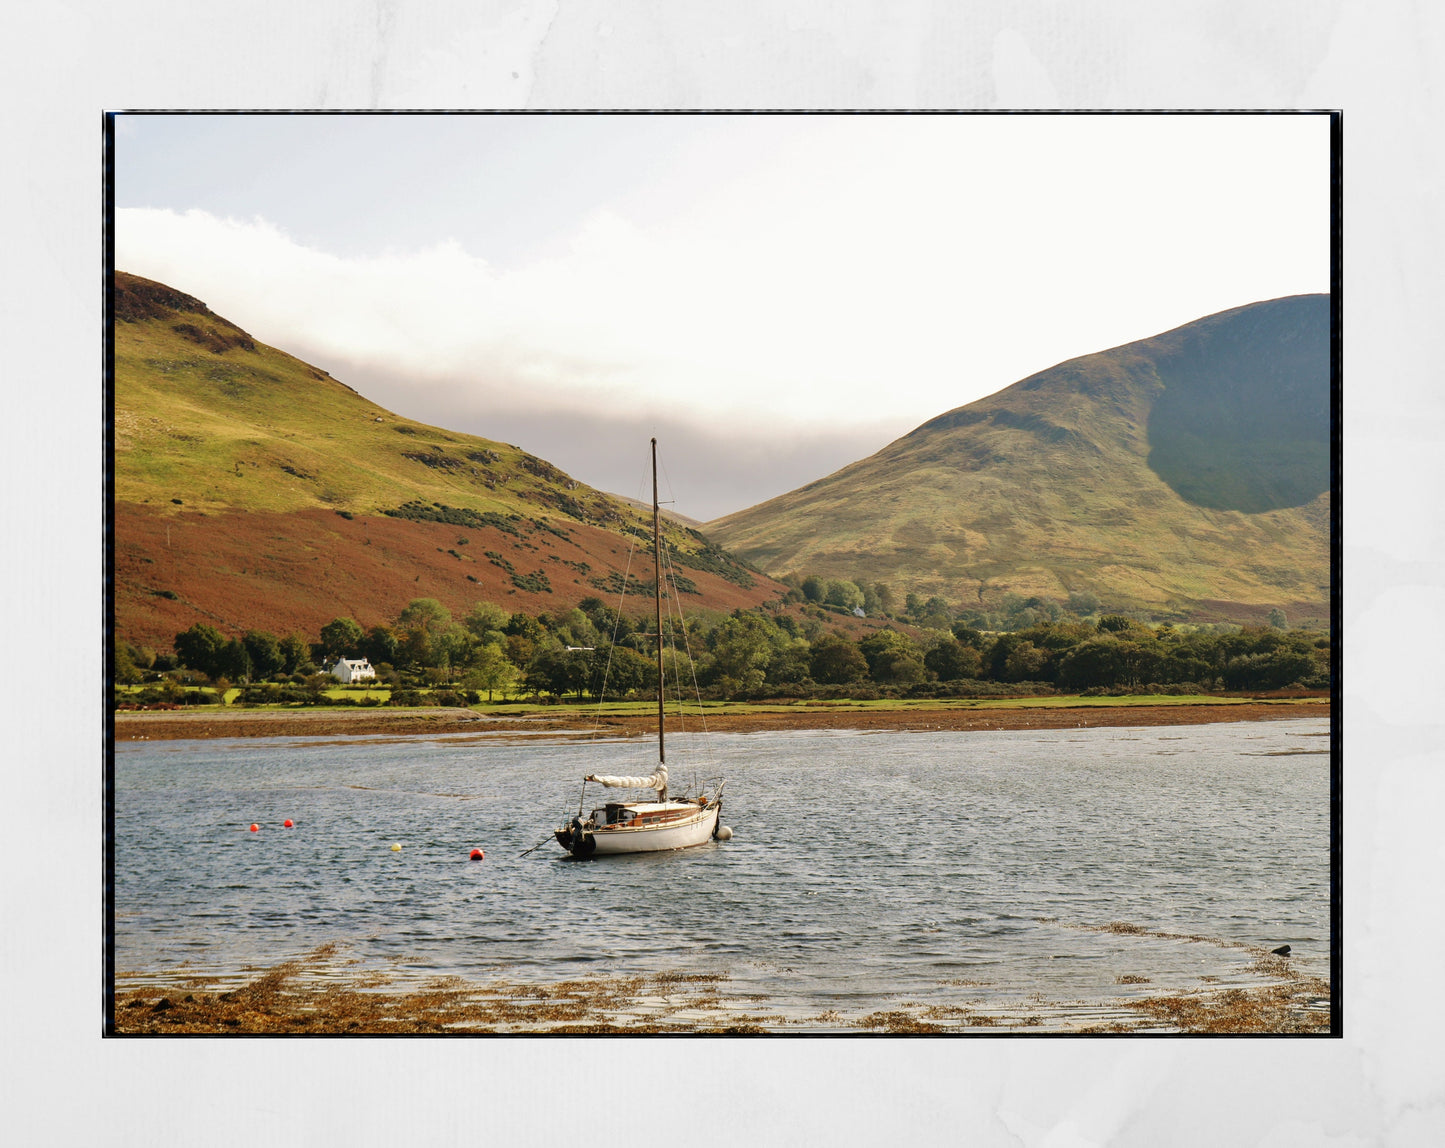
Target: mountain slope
<point>1184,473</point>
<point>252,490</point>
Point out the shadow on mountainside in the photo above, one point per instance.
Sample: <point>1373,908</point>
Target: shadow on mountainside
<point>1243,421</point>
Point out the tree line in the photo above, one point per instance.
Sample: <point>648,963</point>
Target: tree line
<point>750,654</point>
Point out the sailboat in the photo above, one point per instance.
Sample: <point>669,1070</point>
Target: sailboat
<point>645,826</point>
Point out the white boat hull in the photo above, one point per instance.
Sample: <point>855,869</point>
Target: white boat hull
<point>639,836</point>
<point>657,838</point>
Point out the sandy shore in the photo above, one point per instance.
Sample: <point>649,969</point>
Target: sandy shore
<point>213,722</point>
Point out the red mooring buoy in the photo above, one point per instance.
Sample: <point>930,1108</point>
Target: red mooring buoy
<point>477,855</point>
<point>287,824</point>
<point>255,828</point>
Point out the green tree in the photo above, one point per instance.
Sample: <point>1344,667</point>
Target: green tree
<point>1277,619</point>
<point>379,646</point>
<point>142,657</point>
<point>491,671</point>
<point>125,668</point>
<point>453,649</point>
<point>952,661</point>
<point>1141,661</point>
<point>200,648</point>
<point>934,614</point>
<point>900,668</point>
<point>426,613</point>
<point>574,628</point>
<point>234,662</point>
<point>814,589</point>
<point>1095,662</point>
<point>555,670</point>
<point>414,648</point>
<point>519,650</point>
<point>743,646</point>
<point>837,661</point>
<point>840,592</point>
<point>521,625</point>
<point>264,650</point>
<point>421,642</point>
<point>893,658</point>
<point>626,672</point>
<point>609,623</point>
<point>485,619</point>
<point>342,638</point>
<point>1179,666</point>
<point>1269,670</point>
<point>791,663</point>
<point>1025,662</point>
<point>968,635</point>
<point>295,653</point>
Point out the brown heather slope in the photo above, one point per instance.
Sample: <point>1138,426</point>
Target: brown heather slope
<point>1184,474</point>
<point>251,491</point>
<point>294,571</point>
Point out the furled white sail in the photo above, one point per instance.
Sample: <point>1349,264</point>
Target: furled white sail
<point>657,781</point>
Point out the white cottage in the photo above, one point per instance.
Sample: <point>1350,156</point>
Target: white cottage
<point>352,670</point>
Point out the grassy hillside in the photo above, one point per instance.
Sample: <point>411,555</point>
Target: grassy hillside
<point>1187,473</point>
<point>254,490</point>
<point>206,415</point>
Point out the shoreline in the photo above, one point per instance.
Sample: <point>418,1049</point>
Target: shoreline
<point>311,995</point>
<point>956,717</point>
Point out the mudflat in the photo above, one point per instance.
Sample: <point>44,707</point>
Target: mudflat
<point>435,720</point>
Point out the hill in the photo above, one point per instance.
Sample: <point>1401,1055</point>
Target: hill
<point>1184,474</point>
<point>252,490</point>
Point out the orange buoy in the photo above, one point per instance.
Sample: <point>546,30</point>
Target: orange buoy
<point>477,855</point>
<point>255,828</point>
<point>287,824</point>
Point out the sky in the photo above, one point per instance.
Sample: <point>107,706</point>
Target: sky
<point>773,297</point>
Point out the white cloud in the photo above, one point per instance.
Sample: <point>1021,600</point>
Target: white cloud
<point>867,271</point>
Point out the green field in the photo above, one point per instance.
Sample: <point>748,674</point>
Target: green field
<point>577,711</point>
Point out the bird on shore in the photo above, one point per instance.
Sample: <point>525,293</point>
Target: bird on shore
<point>1282,951</point>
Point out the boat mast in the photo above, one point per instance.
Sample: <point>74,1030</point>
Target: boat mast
<point>657,587</point>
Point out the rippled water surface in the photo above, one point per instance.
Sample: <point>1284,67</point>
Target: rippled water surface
<point>866,868</point>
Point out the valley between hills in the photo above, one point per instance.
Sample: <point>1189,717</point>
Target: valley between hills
<point>1183,477</point>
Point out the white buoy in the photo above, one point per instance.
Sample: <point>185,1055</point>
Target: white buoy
<point>724,833</point>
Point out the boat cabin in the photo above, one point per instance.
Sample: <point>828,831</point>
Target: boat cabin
<point>641,814</point>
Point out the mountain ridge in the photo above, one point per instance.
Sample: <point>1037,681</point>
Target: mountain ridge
<point>1074,479</point>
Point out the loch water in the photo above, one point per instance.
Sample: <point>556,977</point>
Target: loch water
<point>1002,868</point>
